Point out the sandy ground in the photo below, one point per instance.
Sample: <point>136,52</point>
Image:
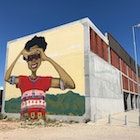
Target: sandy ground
<point>100,130</point>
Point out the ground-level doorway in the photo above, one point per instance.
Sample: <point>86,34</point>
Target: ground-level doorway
<point>125,98</point>
<point>130,101</point>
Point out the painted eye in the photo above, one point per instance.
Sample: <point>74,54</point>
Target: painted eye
<point>31,57</point>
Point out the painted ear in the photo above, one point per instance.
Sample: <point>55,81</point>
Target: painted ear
<point>24,58</point>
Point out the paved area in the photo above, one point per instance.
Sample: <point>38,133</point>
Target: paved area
<point>129,118</point>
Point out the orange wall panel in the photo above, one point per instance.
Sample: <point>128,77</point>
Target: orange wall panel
<point>105,51</point>
<point>93,43</point>
<point>131,85</point>
<point>134,76</point>
<point>130,72</point>
<point>98,46</point>
<point>135,86</point>
<point>115,59</point>
<point>125,82</point>
<point>123,65</point>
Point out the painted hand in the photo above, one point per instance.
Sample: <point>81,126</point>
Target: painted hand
<point>25,53</point>
<point>41,52</point>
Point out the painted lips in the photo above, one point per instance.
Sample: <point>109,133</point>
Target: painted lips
<point>34,66</point>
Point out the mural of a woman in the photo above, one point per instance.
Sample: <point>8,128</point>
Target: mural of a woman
<point>34,87</point>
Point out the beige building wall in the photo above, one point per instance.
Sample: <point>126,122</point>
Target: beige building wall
<point>65,46</point>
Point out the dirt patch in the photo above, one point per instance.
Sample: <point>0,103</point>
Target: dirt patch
<point>56,130</point>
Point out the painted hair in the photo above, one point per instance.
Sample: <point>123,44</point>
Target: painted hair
<point>39,41</point>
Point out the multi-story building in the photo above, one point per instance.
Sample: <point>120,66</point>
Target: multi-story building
<point>115,55</point>
<point>103,72</point>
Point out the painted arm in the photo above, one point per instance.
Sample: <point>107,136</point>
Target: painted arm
<point>64,76</point>
<point>9,70</point>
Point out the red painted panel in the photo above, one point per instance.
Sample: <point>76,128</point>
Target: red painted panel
<point>93,41</point>
<point>129,72</point>
<point>134,76</point>
<point>136,89</point>
<point>98,46</point>
<point>115,59</point>
<point>125,82</point>
<point>123,65</point>
<point>131,85</point>
<point>105,51</point>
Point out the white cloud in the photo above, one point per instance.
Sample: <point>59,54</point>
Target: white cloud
<point>1,88</point>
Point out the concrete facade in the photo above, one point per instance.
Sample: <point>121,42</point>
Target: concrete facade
<point>105,88</point>
<point>103,81</point>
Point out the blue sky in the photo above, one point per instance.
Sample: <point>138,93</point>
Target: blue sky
<point>25,17</point>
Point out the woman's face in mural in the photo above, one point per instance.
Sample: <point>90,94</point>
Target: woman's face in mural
<point>34,59</point>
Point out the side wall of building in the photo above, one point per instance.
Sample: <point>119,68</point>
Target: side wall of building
<point>114,54</point>
<point>103,81</point>
<point>105,88</point>
<point>106,94</point>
